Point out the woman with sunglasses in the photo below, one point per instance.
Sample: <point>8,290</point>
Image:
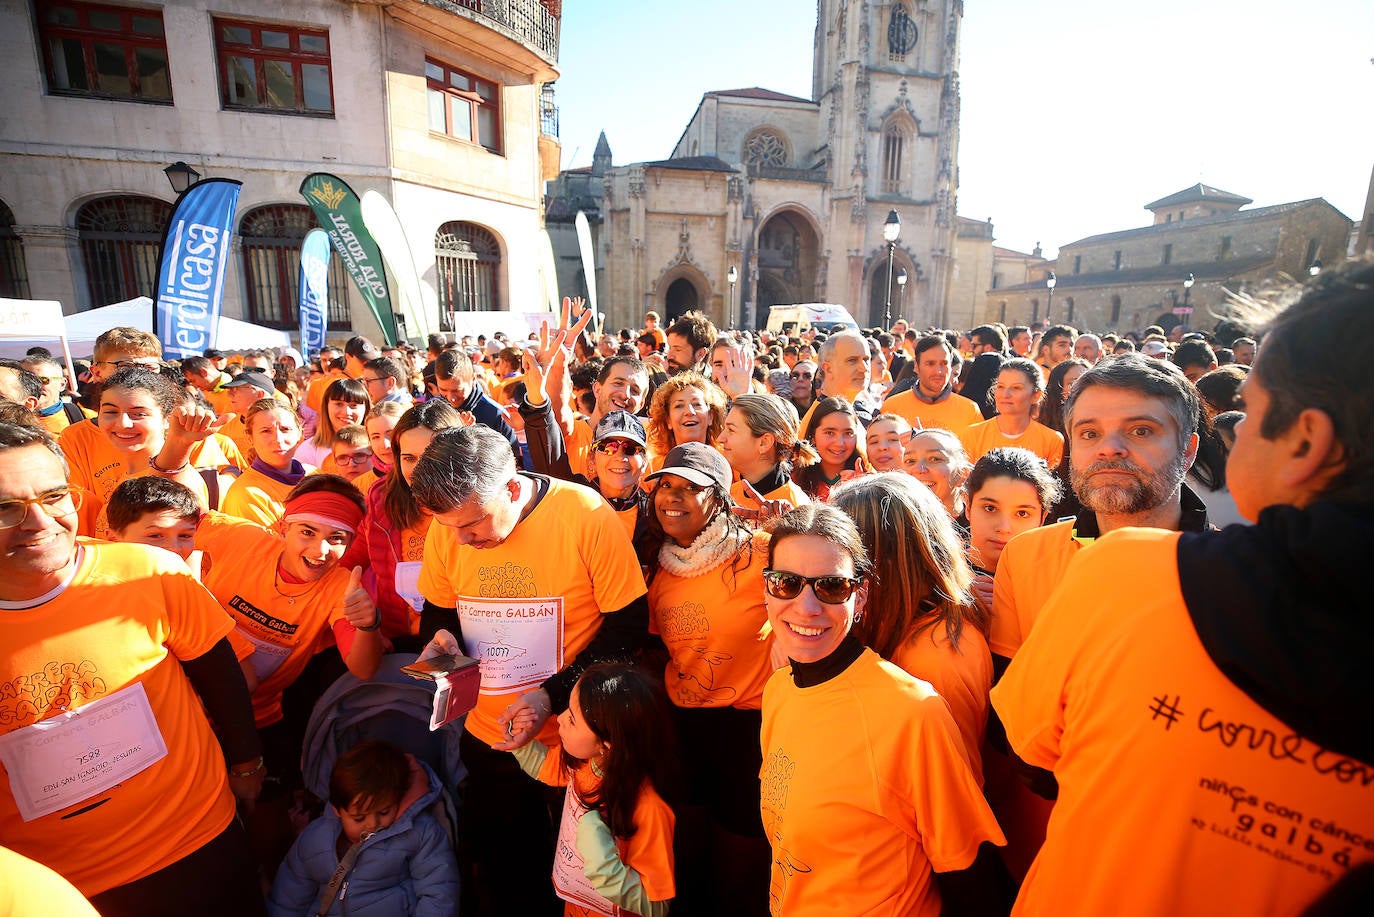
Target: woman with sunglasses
<point>862,763</point>
<point>706,602</point>
<point>616,461</point>
<point>803,378</point>
<point>922,616</point>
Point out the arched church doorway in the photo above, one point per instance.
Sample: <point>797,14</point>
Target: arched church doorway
<point>788,261</point>
<point>681,297</point>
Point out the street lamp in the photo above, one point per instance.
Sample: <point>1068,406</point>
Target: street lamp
<point>1315,269</point>
<point>181,176</point>
<point>1187,290</point>
<point>892,228</point>
<point>901,293</point>
<point>1050,281</point>
<point>731,276</point>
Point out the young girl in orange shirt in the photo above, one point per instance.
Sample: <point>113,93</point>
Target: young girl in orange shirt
<point>615,840</point>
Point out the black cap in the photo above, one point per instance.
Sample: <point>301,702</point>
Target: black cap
<point>255,377</point>
<point>698,463</point>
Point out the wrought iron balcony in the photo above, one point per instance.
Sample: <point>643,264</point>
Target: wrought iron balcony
<point>528,20</point>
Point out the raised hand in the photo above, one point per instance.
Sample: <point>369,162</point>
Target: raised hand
<point>769,511</point>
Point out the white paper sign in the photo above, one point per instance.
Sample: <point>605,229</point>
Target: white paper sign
<point>408,583</point>
<point>519,642</point>
<point>569,878</point>
<point>68,758</point>
<point>267,657</point>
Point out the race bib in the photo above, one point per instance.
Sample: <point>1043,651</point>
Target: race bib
<point>519,642</point>
<point>267,657</point>
<point>71,757</point>
<point>408,583</point>
<point>569,880</point>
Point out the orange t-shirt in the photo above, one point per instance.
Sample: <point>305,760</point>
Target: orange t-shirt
<point>283,621</point>
<point>955,414</point>
<point>1178,794</point>
<point>961,676</point>
<point>982,438</point>
<point>257,498</point>
<point>866,791</point>
<point>578,447</point>
<point>98,466</point>
<point>30,889</point>
<point>1031,566</point>
<point>788,491</point>
<point>716,629</point>
<point>118,629</point>
<point>529,605</point>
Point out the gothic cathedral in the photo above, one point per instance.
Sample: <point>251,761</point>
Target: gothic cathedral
<point>793,193</point>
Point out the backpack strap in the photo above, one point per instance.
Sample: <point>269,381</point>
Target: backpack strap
<point>331,891</point>
<point>73,412</point>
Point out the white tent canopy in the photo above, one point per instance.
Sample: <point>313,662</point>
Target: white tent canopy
<point>84,327</point>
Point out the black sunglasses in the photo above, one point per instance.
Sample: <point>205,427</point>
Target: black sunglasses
<point>832,590</point>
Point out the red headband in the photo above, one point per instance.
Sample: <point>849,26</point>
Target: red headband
<point>324,507</point>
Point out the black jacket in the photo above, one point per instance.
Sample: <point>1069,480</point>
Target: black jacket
<point>1283,610</point>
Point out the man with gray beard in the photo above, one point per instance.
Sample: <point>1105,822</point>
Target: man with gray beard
<point>1132,436</point>
<point>1131,427</point>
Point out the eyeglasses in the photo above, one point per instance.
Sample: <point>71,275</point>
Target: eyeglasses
<point>801,375</point>
<point>619,446</point>
<point>46,379</point>
<point>365,380</point>
<point>55,503</point>
<point>125,364</point>
<point>357,458</point>
<point>832,590</point>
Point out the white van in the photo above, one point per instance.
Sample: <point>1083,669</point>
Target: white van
<point>823,316</point>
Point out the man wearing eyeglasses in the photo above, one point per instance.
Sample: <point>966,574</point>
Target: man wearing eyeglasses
<point>54,413</point>
<point>131,800</point>
<point>385,380</point>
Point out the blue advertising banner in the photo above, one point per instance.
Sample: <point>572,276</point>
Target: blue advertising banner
<point>314,287</point>
<point>190,274</point>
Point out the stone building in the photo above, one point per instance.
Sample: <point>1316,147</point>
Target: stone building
<point>1132,278</point>
<point>444,106</point>
<point>793,193</point>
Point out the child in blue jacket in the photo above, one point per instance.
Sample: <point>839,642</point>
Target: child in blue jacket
<point>377,844</point>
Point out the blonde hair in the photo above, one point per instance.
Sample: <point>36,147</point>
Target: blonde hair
<point>259,407</point>
<point>351,435</point>
<point>128,340</point>
<point>384,409</point>
<point>776,416</point>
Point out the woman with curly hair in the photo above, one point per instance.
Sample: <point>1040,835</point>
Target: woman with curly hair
<point>688,408</point>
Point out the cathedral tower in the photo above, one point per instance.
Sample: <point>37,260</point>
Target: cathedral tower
<point>886,79</point>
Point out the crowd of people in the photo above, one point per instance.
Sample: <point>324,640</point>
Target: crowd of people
<point>885,622</point>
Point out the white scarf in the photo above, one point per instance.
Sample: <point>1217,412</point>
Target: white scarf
<point>713,546</point>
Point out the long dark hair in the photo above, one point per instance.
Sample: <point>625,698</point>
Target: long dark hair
<point>810,477</point>
<point>625,709</point>
<point>435,414</point>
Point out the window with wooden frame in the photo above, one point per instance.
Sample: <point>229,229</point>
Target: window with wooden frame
<point>121,240</point>
<point>271,238</point>
<point>462,105</point>
<point>272,67</point>
<point>112,52</point>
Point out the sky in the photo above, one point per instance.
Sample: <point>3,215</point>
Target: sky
<point>1075,113</point>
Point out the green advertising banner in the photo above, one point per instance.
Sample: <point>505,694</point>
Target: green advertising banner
<point>340,213</point>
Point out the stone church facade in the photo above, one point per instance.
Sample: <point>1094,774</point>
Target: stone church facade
<point>793,193</point>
